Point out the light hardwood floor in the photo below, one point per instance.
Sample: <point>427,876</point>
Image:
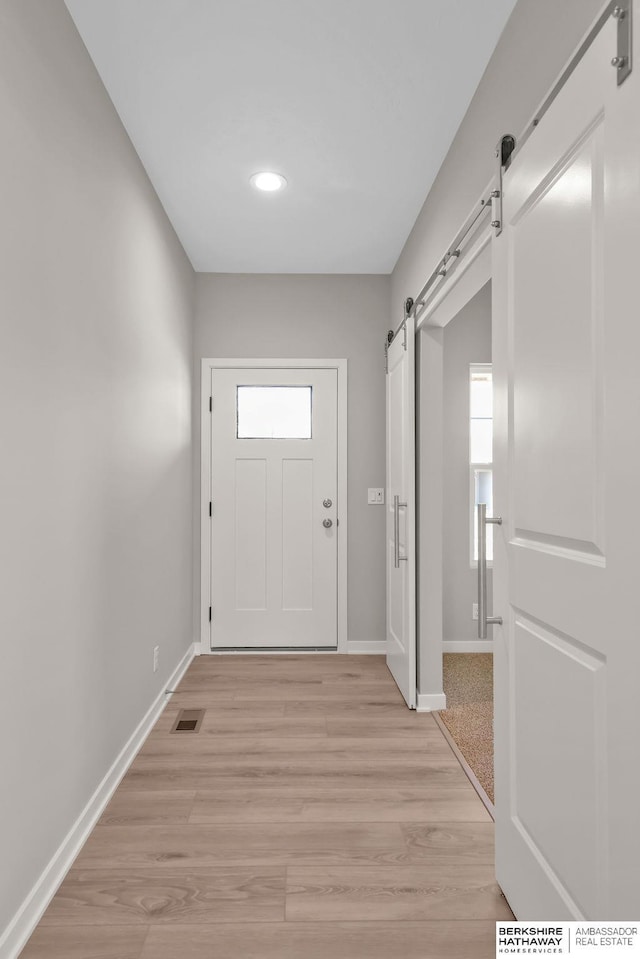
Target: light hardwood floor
<point>312,817</point>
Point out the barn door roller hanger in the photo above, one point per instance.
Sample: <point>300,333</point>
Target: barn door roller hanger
<point>505,147</point>
<point>622,60</point>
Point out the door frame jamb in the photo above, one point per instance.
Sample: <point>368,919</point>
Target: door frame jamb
<point>451,297</point>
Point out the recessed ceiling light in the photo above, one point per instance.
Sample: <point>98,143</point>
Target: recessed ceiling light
<point>268,182</point>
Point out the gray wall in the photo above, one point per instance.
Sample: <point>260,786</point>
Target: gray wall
<point>467,339</point>
<point>538,40</point>
<point>95,394</point>
<point>314,317</point>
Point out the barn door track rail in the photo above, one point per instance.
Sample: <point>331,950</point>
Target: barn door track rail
<point>621,62</point>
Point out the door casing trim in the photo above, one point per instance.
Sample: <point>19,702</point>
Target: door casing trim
<point>209,364</point>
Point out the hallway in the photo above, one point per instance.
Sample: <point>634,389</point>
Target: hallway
<point>311,816</point>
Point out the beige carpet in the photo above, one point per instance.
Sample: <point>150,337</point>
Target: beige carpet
<point>468,686</point>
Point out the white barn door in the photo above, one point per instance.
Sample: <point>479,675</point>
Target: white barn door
<point>566,356</point>
<point>274,508</point>
<point>400,507</point>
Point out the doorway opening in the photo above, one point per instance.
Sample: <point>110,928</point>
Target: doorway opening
<point>467,480</point>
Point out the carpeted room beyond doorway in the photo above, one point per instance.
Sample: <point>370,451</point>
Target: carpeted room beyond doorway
<point>468,686</point>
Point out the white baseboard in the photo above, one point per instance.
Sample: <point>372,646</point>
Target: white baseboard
<point>375,647</point>
<point>467,646</point>
<point>428,702</point>
<point>30,912</point>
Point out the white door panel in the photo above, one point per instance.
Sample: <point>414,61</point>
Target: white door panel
<point>401,622</point>
<point>273,563</point>
<point>297,534</point>
<point>250,533</point>
<point>566,457</point>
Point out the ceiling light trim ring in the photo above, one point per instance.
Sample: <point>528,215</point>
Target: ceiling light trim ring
<point>267,181</point>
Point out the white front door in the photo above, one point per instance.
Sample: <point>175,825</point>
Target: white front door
<point>401,566</point>
<point>274,496</point>
<point>566,360</point>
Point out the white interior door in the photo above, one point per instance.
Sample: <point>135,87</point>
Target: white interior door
<point>401,565</point>
<point>566,357</point>
<point>274,522</point>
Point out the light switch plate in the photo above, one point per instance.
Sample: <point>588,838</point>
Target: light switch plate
<point>375,497</point>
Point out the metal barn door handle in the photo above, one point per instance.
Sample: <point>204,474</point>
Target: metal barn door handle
<point>483,619</point>
<point>397,558</point>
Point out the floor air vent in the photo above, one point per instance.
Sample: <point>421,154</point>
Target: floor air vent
<point>188,721</point>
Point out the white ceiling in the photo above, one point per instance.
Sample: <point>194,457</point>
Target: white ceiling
<point>356,102</point>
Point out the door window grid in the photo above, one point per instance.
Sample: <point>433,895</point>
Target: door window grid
<point>274,412</point>
<point>480,452</point>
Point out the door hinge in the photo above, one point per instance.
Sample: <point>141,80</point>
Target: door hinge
<point>210,508</point>
<point>622,12</point>
<point>209,614</point>
<point>211,404</point>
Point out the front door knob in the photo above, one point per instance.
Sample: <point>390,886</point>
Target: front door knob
<point>327,523</point>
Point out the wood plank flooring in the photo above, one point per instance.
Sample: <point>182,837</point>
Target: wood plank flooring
<point>312,815</point>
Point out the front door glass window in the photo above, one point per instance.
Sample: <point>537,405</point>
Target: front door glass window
<point>273,412</point>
